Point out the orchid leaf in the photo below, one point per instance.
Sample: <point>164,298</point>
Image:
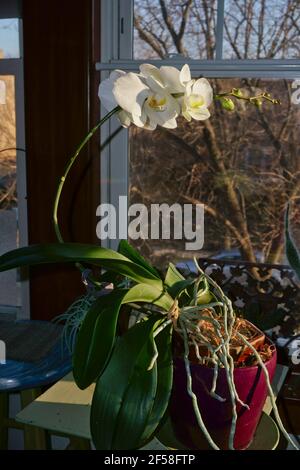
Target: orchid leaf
<point>164,382</point>
<point>125,393</point>
<point>127,250</point>
<point>96,336</point>
<point>172,276</point>
<point>180,286</point>
<point>150,295</point>
<point>292,253</point>
<point>77,252</point>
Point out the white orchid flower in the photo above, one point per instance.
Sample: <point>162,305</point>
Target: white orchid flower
<point>156,96</point>
<point>198,97</point>
<point>147,105</point>
<point>138,103</point>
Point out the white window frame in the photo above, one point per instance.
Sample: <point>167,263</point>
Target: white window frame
<point>15,67</point>
<point>117,53</point>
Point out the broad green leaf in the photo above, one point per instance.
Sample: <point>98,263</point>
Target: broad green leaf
<point>149,294</point>
<point>172,276</point>
<point>164,382</point>
<point>77,252</point>
<point>96,337</point>
<point>125,392</point>
<point>180,286</point>
<point>292,253</point>
<point>127,250</point>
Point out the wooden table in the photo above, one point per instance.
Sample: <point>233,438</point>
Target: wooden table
<point>65,409</point>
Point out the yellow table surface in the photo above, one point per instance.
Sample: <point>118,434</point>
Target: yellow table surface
<point>65,409</point>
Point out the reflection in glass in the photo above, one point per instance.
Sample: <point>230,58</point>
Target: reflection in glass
<point>10,288</point>
<point>9,38</point>
<point>244,166</point>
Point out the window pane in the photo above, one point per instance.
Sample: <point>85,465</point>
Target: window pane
<point>166,27</point>
<point>9,38</point>
<point>10,291</point>
<point>243,166</point>
<point>261,29</point>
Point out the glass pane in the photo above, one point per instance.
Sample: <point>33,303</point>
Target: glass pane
<point>243,166</point>
<point>10,288</point>
<point>9,38</point>
<point>261,29</point>
<point>167,27</point>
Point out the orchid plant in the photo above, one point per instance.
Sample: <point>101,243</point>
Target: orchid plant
<point>133,368</point>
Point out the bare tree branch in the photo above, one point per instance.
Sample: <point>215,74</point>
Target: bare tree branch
<point>148,38</point>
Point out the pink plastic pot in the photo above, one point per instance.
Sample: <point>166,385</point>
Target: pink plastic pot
<point>251,387</point>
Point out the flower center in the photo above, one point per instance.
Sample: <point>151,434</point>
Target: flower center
<point>195,101</point>
<point>157,102</point>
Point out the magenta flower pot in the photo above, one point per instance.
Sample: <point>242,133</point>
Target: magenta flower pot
<point>251,387</point>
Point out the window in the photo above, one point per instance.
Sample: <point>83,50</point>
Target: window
<point>253,45</point>
<point>13,215</point>
<point>9,38</point>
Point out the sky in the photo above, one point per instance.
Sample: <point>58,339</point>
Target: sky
<point>9,37</point>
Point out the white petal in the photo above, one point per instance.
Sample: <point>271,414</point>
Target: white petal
<point>175,104</point>
<point>185,112</point>
<point>200,114</point>
<point>147,70</point>
<point>202,87</point>
<point>106,96</point>
<point>171,79</point>
<point>155,85</point>
<point>115,74</point>
<point>130,93</point>
<point>189,87</point>
<point>150,125</point>
<point>186,116</point>
<point>171,124</point>
<point>105,92</point>
<point>139,121</point>
<point>162,117</point>
<point>185,75</point>
<point>150,75</point>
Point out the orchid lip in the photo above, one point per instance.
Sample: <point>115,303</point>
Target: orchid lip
<point>157,104</point>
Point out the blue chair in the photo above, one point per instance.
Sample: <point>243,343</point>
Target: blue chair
<point>27,379</point>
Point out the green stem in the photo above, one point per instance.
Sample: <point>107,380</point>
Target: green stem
<point>68,168</point>
<point>251,99</point>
